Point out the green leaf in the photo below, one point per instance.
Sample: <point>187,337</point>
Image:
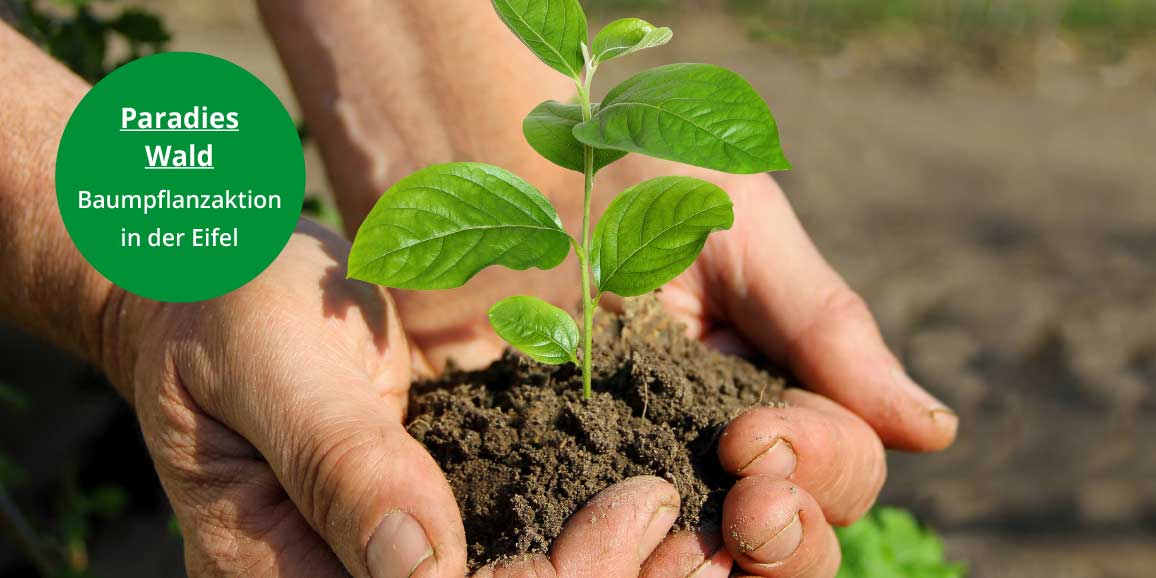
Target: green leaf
<point>107,501</point>
<point>626,36</point>
<point>438,227</point>
<point>696,114</point>
<point>653,231</point>
<point>553,30</point>
<point>549,128</point>
<point>890,543</point>
<point>538,329</point>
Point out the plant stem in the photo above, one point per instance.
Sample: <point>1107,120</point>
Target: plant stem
<point>588,301</point>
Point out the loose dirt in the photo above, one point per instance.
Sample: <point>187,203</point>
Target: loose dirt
<point>523,451</point>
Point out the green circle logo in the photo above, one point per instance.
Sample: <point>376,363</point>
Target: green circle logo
<point>180,177</point>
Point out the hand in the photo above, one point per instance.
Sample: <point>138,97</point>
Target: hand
<point>274,415</point>
<point>817,462</point>
<point>764,285</point>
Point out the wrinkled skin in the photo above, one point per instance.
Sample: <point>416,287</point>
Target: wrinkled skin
<point>274,415</point>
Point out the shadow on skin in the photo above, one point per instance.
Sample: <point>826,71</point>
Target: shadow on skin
<point>339,295</point>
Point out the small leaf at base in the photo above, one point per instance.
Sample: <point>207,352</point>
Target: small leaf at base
<point>540,330</point>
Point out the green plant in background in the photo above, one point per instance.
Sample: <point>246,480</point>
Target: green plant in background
<point>438,227</point>
<point>62,552</point>
<point>890,543</point>
<point>827,24</point>
<point>77,35</point>
<point>79,508</point>
<point>1105,29</point>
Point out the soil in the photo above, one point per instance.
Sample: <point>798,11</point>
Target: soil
<point>523,451</point>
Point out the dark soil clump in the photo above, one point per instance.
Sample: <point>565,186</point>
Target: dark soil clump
<point>523,451</point>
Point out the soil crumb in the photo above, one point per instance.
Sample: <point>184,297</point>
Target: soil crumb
<point>523,452</point>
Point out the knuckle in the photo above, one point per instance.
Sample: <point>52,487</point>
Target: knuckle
<point>836,311</point>
<point>335,470</point>
<point>173,441</point>
<point>843,304</point>
<point>189,447</point>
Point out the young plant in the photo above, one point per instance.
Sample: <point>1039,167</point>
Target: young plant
<point>438,227</point>
<point>890,542</point>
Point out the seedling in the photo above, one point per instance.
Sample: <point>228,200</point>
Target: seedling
<point>441,225</point>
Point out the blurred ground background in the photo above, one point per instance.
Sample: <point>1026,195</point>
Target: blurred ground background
<point>982,171</point>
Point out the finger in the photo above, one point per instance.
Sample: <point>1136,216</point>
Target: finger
<point>330,431</point>
<point>616,530</point>
<point>369,490</point>
<point>775,529</point>
<point>814,443</point>
<point>689,555</point>
<point>528,566</point>
<point>782,295</point>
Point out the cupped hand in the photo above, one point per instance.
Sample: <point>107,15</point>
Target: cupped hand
<point>274,416</point>
<point>819,461</point>
<point>761,285</point>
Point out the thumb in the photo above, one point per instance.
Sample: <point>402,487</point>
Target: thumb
<point>372,492</point>
<point>317,381</point>
<point>367,488</point>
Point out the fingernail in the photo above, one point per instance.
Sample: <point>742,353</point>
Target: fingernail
<point>398,547</point>
<point>947,419</point>
<point>777,460</point>
<point>718,560</point>
<point>780,546</point>
<point>656,530</point>
<point>937,409</point>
